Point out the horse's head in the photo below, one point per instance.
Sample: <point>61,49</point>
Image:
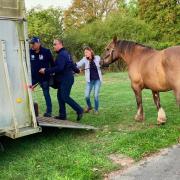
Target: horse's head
<point>110,53</point>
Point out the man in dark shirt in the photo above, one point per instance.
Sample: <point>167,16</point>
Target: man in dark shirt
<point>63,70</point>
<point>41,57</point>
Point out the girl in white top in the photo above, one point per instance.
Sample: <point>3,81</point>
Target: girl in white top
<point>93,76</point>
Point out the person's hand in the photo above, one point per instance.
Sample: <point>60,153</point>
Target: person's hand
<point>42,71</point>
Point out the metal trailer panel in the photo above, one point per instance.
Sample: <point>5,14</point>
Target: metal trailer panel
<point>13,59</point>
<point>17,117</point>
<point>5,108</point>
<point>12,8</point>
<point>15,96</point>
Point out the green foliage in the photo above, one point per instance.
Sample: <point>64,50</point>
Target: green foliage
<point>164,16</point>
<point>47,24</point>
<point>132,8</point>
<point>99,33</point>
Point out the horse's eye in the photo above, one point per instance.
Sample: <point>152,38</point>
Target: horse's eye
<point>107,49</point>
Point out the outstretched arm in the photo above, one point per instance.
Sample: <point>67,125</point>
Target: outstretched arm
<point>81,63</point>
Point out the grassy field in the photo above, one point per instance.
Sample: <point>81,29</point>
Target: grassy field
<point>83,155</point>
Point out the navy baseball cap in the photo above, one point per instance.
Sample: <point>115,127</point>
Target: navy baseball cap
<point>35,40</point>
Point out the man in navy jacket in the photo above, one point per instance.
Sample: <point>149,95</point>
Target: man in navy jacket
<point>63,70</point>
<point>41,57</point>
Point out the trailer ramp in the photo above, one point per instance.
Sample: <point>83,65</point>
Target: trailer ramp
<point>52,122</point>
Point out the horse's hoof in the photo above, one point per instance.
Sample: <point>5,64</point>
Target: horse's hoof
<point>139,118</point>
<point>161,121</point>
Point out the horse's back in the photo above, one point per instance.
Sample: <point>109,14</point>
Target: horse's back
<point>171,57</point>
<point>171,62</point>
<point>172,53</point>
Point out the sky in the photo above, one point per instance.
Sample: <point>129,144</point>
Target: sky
<point>46,3</point>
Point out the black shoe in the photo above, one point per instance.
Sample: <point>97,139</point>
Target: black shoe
<point>60,118</point>
<point>47,114</point>
<point>79,116</point>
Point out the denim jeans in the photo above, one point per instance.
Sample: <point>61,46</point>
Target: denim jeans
<point>45,87</point>
<point>93,84</point>
<point>63,95</point>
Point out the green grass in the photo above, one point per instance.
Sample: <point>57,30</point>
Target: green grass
<point>79,154</point>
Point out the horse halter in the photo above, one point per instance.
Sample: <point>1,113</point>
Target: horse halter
<point>111,55</point>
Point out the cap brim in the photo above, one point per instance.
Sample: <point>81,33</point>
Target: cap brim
<point>31,42</point>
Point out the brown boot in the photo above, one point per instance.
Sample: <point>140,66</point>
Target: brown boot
<point>87,110</point>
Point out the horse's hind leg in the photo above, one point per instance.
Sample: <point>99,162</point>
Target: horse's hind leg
<point>177,94</point>
<point>161,119</point>
<point>139,115</point>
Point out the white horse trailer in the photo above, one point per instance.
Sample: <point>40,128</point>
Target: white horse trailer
<point>17,116</point>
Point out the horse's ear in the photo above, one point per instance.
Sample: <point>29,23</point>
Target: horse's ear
<point>115,39</point>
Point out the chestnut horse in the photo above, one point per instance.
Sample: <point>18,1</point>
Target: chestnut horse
<point>148,68</point>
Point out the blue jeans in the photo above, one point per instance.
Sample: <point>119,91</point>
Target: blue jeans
<point>96,84</point>
<point>63,95</point>
<point>45,87</point>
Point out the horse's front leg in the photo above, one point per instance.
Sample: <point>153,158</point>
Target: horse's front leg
<point>161,119</point>
<point>139,115</point>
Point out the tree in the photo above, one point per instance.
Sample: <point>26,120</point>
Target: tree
<point>164,15</point>
<point>46,24</point>
<point>132,8</point>
<point>82,12</point>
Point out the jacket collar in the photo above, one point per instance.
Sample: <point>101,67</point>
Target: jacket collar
<point>62,49</point>
<point>40,50</point>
